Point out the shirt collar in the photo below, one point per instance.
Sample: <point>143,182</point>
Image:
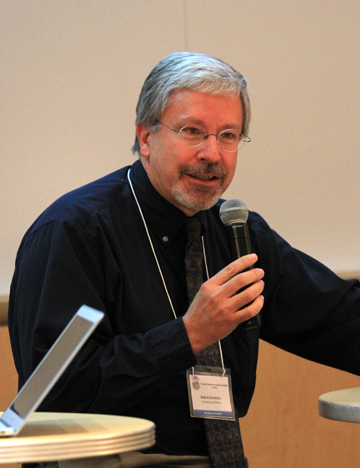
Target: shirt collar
<point>163,217</point>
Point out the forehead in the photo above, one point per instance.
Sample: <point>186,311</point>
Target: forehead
<point>186,104</point>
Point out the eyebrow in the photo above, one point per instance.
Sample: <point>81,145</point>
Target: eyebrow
<point>195,121</point>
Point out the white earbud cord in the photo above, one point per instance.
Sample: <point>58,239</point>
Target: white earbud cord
<point>158,264</point>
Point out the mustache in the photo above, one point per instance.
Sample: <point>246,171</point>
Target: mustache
<point>213,169</point>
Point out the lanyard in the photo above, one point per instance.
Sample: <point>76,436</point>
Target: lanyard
<point>158,264</point>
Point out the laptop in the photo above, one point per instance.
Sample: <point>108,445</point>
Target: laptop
<point>49,370</point>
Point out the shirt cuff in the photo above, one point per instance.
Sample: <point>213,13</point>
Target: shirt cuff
<point>172,347</point>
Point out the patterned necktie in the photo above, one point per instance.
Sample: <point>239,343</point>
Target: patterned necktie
<point>223,437</point>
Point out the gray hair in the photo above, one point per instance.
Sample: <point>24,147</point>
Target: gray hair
<point>188,70</point>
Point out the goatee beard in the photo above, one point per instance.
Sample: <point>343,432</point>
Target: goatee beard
<point>202,198</point>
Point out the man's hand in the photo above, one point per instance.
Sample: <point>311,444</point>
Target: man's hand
<point>219,307</point>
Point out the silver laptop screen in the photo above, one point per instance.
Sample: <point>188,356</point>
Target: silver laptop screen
<point>51,367</point>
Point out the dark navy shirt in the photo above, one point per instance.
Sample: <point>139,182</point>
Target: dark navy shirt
<point>90,247</point>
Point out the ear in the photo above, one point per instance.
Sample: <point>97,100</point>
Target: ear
<point>143,135</point>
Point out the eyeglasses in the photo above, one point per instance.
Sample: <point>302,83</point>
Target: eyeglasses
<point>228,140</point>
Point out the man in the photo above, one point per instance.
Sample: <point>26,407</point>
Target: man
<point>118,245</point>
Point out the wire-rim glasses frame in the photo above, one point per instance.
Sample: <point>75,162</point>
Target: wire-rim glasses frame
<point>228,140</point>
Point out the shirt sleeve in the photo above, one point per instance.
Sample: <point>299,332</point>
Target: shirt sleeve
<point>309,310</point>
<point>59,268</point>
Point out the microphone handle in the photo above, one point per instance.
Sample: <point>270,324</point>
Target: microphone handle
<point>239,246</point>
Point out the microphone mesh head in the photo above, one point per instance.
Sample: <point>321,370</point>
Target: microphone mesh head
<point>234,211</point>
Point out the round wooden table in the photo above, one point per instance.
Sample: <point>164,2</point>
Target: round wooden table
<point>66,436</point>
<point>341,405</point>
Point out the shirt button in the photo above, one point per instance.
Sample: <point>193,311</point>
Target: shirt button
<point>165,238</point>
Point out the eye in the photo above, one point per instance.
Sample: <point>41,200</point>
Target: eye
<point>229,135</point>
<point>191,131</point>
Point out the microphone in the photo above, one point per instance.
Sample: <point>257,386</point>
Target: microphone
<point>234,214</point>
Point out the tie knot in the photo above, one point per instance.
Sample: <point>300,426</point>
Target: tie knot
<point>193,227</point>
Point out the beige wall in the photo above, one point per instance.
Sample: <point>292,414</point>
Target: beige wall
<point>70,75</point>
<point>71,72</point>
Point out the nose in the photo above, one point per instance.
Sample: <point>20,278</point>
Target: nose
<point>209,150</point>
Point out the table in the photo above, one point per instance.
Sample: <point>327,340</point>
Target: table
<point>341,405</point>
<point>66,436</point>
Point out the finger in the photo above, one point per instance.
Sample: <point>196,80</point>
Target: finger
<point>247,295</point>
<point>251,310</point>
<point>241,281</point>
<point>234,268</point>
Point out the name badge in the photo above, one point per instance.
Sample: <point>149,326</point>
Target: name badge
<point>210,393</point>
